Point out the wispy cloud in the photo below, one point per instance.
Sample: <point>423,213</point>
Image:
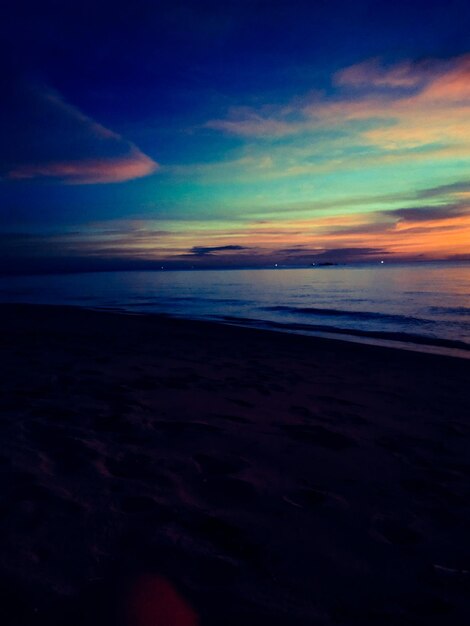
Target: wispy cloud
<point>431,213</point>
<point>372,73</point>
<point>407,233</point>
<point>410,104</point>
<point>248,122</point>
<point>43,136</point>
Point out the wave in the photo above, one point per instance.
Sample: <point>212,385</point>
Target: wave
<point>359,315</point>
<point>412,338</point>
<point>159,300</point>
<point>453,310</point>
<point>205,299</point>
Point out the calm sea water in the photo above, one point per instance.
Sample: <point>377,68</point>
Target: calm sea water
<point>420,306</point>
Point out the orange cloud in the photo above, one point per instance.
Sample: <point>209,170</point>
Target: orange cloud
<point>352,237</point>
<point>90,171</point>
<point>411,105</point>
<point>45,137</point>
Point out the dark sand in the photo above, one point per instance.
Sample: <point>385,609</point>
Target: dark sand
<point>151,466</point>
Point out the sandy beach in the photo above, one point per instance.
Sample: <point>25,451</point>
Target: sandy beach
<point>169,472</point>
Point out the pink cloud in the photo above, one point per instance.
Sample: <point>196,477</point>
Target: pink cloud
<point>420,104</point>
<point>370,73</point>
<point>247,122</point>
<point>90,171</point>
<point>46,137</point>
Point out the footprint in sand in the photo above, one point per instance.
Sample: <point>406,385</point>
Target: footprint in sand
<point>306,498</point>
<point>175,427</point>
<point>32,506</point>
<point>54,413</point>
<point>232,418</point>
<point>149,383</point>
<point>301,411</point>
<point>70,454</point>
<point>113,423</point>
<point>218,465</point>
<point>138,467</point>
<point>319,436</point>
<point>224,491</point>
<point>227,537</point>
<point>346,418</point>
<point>140,505</point>
<point>431,491</point>
<point>396,532</point>
<point>243,403</point>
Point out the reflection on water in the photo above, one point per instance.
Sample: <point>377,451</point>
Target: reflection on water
<point>427,304</point>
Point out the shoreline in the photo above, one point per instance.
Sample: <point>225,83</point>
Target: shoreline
<point>398,341</point>
<point>266,477</point>
<point>411,309</point>
<point>420,344</point>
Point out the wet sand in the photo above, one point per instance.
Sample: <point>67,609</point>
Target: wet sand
<point>159,472</point>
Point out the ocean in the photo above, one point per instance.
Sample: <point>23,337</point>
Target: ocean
<point>421,306</point>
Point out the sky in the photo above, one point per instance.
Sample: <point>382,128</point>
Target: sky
<point>179,134</point>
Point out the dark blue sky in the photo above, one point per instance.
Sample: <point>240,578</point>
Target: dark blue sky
<point>200,120</point>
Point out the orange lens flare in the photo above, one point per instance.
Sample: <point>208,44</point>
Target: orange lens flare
<point>154,601</point>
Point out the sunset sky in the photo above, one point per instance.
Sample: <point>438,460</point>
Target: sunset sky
<point>213,134</point>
